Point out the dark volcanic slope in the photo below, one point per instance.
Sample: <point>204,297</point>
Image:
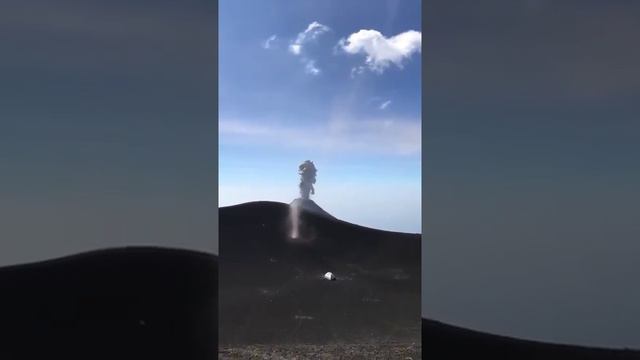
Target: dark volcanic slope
<point>441,341</point>
<point>127,303</point>
<point>272,290</point>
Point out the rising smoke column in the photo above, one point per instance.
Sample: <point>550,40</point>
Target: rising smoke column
<point>307,171</point>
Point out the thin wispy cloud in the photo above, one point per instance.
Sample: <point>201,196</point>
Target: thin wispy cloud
<point>381,51</point>
<point>312,32</point>
<point>268,44</point>
<point>378,136</point>
<point>385,104</point>
<point>357,71</point>
<point>310,67</point>
<point>296,47</point>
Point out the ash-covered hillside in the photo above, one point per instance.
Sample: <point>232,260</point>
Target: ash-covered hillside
<point>272,285</point>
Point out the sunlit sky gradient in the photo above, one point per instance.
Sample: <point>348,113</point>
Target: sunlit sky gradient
<point>294,86</point>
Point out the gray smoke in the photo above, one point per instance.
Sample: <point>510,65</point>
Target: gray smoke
<point>307,171</point>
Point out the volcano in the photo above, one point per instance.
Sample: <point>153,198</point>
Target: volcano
<point>272,289</point>
<point>309,206</point>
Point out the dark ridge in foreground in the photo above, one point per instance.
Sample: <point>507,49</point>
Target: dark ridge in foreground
<point>273,292</point>
<point>442,341</point>
<point>124,303</point>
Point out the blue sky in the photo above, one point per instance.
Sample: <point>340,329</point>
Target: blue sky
<point>335,82</point>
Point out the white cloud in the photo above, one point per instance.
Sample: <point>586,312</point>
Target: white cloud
<point>381,52</point>
<point>357,71</point>
<point>310,67</point>
<point>312,32</point>
<point>379,136</point>
<point>296,49</point>
<point>268,43</point>
<point>385,104</point>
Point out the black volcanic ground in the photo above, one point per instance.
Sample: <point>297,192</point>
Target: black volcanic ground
<point>272,290</point>
<point>126,303</point>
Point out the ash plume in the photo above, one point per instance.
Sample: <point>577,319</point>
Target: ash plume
<point>307,171</point>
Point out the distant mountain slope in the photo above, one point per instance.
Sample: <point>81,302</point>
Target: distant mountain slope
<point>442,341</point>
<point>125,303</point>
<point>272,290</point>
